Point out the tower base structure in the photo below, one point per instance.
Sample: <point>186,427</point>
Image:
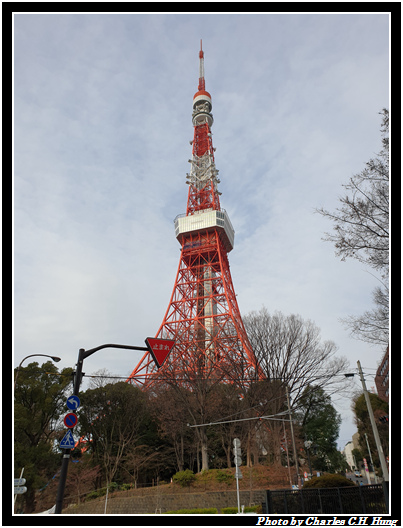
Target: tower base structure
<point>203,318</point>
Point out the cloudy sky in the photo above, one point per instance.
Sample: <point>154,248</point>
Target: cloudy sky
<point>102,123</point>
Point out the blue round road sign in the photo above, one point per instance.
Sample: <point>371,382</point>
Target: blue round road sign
<point>73,402</point>
<point>70,420</point>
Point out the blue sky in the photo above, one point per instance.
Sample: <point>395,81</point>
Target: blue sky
<point>102,123</point>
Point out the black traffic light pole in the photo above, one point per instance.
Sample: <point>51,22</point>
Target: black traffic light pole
<point>82,354</point>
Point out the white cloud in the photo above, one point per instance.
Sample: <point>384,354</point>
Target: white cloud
<point>102,128</point>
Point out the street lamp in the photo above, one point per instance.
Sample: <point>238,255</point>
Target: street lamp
<point>55,359</point>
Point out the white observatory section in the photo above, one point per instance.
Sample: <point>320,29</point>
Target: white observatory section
<point>203,221</point>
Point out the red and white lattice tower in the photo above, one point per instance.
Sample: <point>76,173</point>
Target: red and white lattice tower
<point>203,315</point>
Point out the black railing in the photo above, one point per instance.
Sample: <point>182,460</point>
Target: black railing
<point>370,499</point>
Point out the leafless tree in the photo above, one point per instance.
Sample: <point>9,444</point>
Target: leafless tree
<point>290,349</point>
<point>361,231</point>
<point>172,415</point>
<point>192,382</point>
<point>102,377</point>
<point>291,356</point>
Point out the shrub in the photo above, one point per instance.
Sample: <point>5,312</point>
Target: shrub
<point>328,481</point>
<point>221,476</point>
<point>195,510</point>
<point>247,509</point>
<point>96,494</point>
<point>126,486</point>
<point>184,478</point>
<point>92,495</point>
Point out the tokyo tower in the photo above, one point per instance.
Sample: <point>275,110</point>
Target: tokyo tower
<point>203,315</point>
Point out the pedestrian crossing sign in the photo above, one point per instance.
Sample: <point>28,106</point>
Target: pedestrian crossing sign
<point>68,441</point>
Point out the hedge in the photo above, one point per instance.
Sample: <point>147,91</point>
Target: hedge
<point>328,481</point>
<point>195,510</point>
<point>247,509</point>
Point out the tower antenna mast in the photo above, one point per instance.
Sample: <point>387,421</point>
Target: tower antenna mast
<point>202,84</point>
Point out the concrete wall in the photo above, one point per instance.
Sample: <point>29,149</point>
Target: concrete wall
<point>122,503</point>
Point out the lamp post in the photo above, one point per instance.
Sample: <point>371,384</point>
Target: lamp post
<point>55,359</point>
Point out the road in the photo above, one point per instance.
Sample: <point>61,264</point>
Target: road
<point>359,480</point>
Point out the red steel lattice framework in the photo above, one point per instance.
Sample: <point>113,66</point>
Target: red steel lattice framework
<point>203,316</point>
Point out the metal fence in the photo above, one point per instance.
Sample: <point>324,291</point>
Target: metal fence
<point>370,499</point>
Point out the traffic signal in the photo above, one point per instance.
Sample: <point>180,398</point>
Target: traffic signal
<point>384,419</point>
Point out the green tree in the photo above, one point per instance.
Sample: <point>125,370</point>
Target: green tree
<point>320,424</point>
<point>114,419</point>
<point>39,401</point>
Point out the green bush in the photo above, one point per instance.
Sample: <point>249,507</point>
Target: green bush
<point>328,481</point>
<point>92,495</point>
<point>221,476</point>
<point>184,478</point>
<point>247,509</point>
<point>195,510</point>
<point>127,486</point>
<point>96,494</point>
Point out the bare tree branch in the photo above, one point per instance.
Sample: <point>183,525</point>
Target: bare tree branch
<point>361,231</point>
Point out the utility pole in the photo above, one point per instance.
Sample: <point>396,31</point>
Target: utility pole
<point>374,427</point>
<point>370,457</point>
<point>286,450</point>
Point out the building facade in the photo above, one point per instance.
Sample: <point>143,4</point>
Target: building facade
<point>382,377</point>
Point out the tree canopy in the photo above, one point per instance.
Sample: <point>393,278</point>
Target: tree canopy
<point>290,349</point>
<point>39,401</point>
<point>320,424</point>
<point>114,420</point>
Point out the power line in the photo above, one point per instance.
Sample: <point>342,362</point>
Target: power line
<point>269,417</point>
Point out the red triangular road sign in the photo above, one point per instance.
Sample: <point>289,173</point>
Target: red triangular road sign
<point>159,349</point>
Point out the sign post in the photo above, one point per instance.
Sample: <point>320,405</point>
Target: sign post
<point>18,482</point>
<point>238,462</point>
<point>19,487</point>
<point>159,355</point>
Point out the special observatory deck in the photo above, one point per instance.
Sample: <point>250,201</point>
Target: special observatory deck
<point>206,220</point>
